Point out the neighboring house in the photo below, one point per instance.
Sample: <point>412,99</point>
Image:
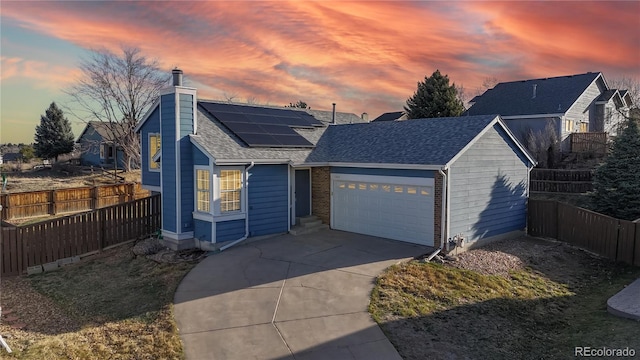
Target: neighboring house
<point>97,147</point>
<point>391,116</point>
<point>574,103</point>
<point>227,172</point>
<point>12,157</point>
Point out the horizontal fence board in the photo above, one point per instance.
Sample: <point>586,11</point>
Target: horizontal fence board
<point>74,235</point>
<point>615,239</point>
<point>561,180</point>
<point>26,205</point>
<point>593,142</point>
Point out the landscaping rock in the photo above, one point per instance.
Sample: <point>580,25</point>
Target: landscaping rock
<point>52,266</point>
<point>31,270</point>
<point>147,247</point>
<point>168,256</point>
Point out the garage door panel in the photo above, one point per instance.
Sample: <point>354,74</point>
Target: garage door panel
<point>401,211</point>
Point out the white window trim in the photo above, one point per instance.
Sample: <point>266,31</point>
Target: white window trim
<point>149,149</point>
<point>216,200</point>
<point>195,190</point>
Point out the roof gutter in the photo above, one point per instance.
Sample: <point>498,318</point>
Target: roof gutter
<point>246,206</point>
<point>371,165</point>
<point>533,116</point>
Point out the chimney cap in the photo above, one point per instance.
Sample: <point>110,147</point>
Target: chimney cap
<point>177,77</point>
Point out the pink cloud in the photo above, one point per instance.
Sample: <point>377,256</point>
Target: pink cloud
<point>367,56</point>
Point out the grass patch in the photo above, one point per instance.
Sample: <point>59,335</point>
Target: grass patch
<point>115,306</point>
<point>432,311</point>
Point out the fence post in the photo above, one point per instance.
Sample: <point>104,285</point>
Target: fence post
<point>5,206</point>
<point>53,194</point>
<point>636,246</point>
<point>558,222</point>
<point>102,223</point>
<point>94,198</point>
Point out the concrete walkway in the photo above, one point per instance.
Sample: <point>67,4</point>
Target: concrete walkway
<point>287,297</point>
<point>626,303</point>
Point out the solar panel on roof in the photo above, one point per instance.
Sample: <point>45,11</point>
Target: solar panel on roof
<point>231,117</point>
<point>258,139</point>
<point>289,140</point>
<point>312,120</point>
<point>258,126</point>
<point>236,127</point>
<point>277,129</point>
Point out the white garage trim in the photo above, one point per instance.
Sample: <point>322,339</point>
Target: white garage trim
<point>400,208</point>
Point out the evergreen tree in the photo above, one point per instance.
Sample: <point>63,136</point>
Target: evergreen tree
<point>434,98</point>
<point>27,153</point>
<point>53,135</point>
<point>616,183</point>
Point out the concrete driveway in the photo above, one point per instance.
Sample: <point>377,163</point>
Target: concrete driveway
<point>288,297</point>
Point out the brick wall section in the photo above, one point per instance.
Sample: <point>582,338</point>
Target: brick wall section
<point>321,193</point>
<point>437,208</point>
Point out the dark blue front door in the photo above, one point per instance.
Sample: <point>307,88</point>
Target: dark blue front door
<point>303,192</point>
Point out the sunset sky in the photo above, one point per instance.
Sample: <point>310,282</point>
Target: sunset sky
<point>364,56</point>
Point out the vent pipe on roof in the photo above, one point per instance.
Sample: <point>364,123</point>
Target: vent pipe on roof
<point>333,115</point>
<point>365,117</point>
<point>177,77</point>
<point>535,87</point>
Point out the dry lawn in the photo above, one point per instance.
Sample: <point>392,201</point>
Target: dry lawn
<point>523,299</point>
<point>111,306</point>
<point>59,177</point>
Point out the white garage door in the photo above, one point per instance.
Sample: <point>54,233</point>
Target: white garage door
<point>399,208</point>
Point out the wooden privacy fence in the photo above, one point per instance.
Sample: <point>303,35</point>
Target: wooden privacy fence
<point>561,181</point>
<point>589,142</point>
<point>24,205</point>
<point>610,237</point>
<point>74,235</point>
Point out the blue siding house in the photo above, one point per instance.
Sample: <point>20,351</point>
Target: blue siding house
<point>97,145</point>
<point>228,172</point>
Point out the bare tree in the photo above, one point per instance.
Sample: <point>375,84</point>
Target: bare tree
<point>463,96</point>
<point>544,146</point>
<point>117,90</point>
<point>230,97</point>
<point>487,83</point>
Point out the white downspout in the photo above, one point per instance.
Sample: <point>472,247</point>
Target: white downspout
<point>443,217</point>
<point>246,206</point>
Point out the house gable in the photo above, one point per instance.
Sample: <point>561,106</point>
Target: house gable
<point>488,187</point>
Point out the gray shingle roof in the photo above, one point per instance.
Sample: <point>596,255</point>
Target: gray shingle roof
<point>341,117</point>
<point>553,95</point>
<point>420,141</point>
<point>389,116</point>
<point>104,129</point>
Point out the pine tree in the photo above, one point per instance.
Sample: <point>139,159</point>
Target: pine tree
<point>616,183</point>
<point>434,98</point>
<point>53,136</point>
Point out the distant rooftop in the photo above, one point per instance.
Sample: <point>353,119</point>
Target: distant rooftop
<point>531,97</point>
